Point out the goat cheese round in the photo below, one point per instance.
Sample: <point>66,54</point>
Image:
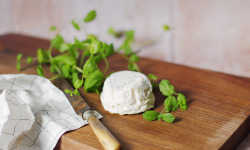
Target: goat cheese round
<point>127,92</point>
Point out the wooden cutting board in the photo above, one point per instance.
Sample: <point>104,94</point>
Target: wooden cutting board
<point>217,117</point>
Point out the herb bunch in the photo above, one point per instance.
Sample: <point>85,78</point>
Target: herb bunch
<point>78,61</point>
<point>172,102</point>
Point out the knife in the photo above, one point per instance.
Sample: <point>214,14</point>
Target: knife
<point>108,141</point>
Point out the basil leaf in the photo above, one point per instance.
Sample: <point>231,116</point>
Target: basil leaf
<point>109,50</point>
<point>132,66</point>
<point>78,84</point>
<point>65,69</point>
<point>166,28</point>
<point>57,41</point>
<point>183,107</point>
<point>64,59</point>
<point>181,99</point>
<point>67,91</point>
<point>42,56</point>
<point>52,28</point>
<point>95,47</point>
<point>160,117</point>
<point>74,77</point>
<point>63,47</point>
<point>76,92</point>
<point>168,104</point>
<point>166,88</point>
<point>75,25</point>
<point>134,58</point>
<point>93,81</point>
<point>89,67</point>
<point>18,61</point>
<point>152,77</point>
<point>29,60</point>
<point>90,16</point>
<point>150,115</point>
<point>168,117</point>
<point>40,71</point>
<point>174,104</point>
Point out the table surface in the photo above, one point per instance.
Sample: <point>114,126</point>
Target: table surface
<point>218,116</point>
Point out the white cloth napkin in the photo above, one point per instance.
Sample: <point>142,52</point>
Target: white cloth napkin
<point>33,113</point>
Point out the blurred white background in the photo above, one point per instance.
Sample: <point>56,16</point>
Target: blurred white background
<point>212,34</point>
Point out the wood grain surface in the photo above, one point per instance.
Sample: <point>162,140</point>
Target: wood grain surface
<point>217,117</point>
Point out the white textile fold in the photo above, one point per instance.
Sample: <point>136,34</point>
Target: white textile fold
<point>33,113</point>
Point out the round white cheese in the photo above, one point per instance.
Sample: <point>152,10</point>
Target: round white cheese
<point>127,92</point>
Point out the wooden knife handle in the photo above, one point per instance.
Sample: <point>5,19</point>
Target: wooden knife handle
<point>108,141</point>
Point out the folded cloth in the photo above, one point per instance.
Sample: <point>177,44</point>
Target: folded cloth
<point>33,113</point>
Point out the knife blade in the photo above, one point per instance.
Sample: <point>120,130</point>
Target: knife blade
<point>108,141</point>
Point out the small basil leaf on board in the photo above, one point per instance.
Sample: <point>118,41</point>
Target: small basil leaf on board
<point>160,117</point>
<point>40,71</point>
<point>42,56</point>
<point>184,107</point>
<point>152,77</point>
<point>93,81</point>
<point>57,41</point>
<point>168,117</point>
<point>67,91</point>
<point>90,16</point>
<point>74,77</point>
<point>181,99</point>
<point>29,60</point>
<point>78,84</point>
<point>134,58</point>
<point>150,115</point>
<point>174,104</point>
<point>95,47</point>
<point>76,92</point>
<point>18,61</point>
<point>166,88</point>
<point>168,104</point>
<point>89,67</point>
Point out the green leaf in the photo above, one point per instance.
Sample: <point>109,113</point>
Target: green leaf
<point>127,48</point>
<point>67,91</point>
<point>78,84</point>
<point>75,25</point>
<point>57,41</point>
<point>64,47</point>
<point>134,58</point>
<point>91,37</point>
<point>111,31</point>
<point>129,36</point>
<point>86,53</point>
<point>109,50</point>
<point>132,66</point>
<point>29,60</point>
<point>52,28</point>
<point>89,67</point>
<point>40,71</point>
<point>74,77</point>
<point>174,104</point>
<point>184,107</point>
<point>168,117</point>
<point>181,99</point>
<point>166,88</point>
<point>18,61</point>
<point>150,115</point>
<point>168,104</point>
<point>93,81</point>
<point>64,60</point>
<point>90,16</point>
<point>74,53</point>
<point>65,69</point>
<point>152,77</point>
<point>76,92</point>
<point>160,117</point>
<point>166,28</point>
<point>95,47</point>
<point>42,56</point>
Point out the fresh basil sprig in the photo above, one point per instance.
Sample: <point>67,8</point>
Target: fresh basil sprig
<point>171,104</point>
